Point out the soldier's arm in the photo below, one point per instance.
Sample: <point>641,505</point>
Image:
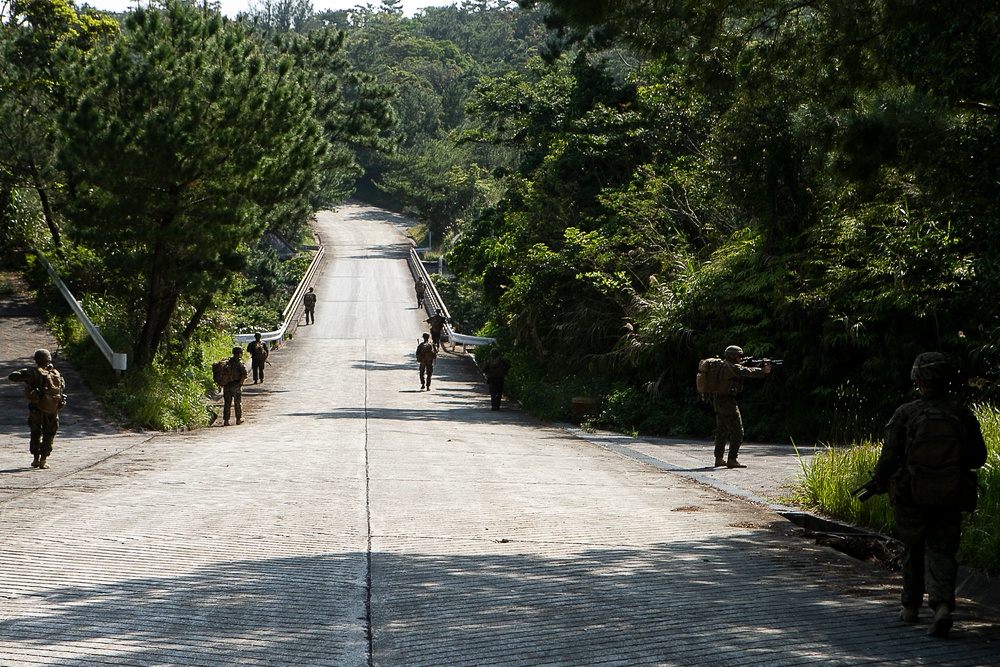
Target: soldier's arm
<point>890,459</point>
<point>974,453</point>
<point>747,371</point>
<point>20,376</point>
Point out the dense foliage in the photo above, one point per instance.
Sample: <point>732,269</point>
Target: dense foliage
<point>813,181</point>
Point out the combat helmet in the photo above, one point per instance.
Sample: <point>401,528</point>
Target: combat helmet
<point>733,351</point>
<point>932,367</point>
<point>42,357</point>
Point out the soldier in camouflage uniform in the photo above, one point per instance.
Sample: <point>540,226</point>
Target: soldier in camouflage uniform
<point>930,533</point>
<point>258,352</point>
<point>436,322</point>
<point>421,290</point>
<point>728,421</point>
<point>426,354</point>
<point>309,301</point>
<point>232,393</point>
<point>495,369</point>
<point>42,424</point>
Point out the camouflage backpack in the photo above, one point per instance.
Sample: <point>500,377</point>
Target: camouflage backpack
<point>223,373</point>
<point>426,353</point>
<point>709,380</point>
<point>934,455</point>
<point>48,397</point>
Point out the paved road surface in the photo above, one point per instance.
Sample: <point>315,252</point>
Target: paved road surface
<point>355,520</point>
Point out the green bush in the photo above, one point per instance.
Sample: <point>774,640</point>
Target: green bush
<point>465,303</point>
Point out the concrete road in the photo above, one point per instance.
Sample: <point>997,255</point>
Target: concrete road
<point>356,521</point>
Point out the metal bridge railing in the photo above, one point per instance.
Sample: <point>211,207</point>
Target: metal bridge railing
<point>118,360</point>
<point>288,315</point>
<point>433,302</point>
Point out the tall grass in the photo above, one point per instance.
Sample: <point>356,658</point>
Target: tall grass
<point>981,532</point>
<point>828,480</point>
<point>827,483</point>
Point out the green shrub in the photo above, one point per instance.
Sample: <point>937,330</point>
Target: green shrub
<point>465,302</point>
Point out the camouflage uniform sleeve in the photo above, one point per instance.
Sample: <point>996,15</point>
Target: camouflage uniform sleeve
<point>20,375</point>
<point>890,460</point>
<point>747,371</point>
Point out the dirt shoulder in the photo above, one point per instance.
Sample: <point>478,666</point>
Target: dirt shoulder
<point>22,331</point>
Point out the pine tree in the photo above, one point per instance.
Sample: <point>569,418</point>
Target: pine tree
<point>183,139</point>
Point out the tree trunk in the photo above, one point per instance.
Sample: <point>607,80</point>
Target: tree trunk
<point>195,320</point>
<point>160,305</point>
<point>50,220</point>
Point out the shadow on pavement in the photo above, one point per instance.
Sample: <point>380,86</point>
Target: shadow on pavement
<point>615,605</point>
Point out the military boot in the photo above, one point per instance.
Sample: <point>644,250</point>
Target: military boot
<point>41,462</point>
<point>941,624</point>
<point>720,462</point>
<point>909,615</point>
<point>733,463</point>
<point>34,462</point>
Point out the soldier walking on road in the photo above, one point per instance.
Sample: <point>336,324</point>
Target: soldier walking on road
<point>728,420</point>
<point>931,446</point>
<point>437,322</point>
<point>495,369</point>
<point>258,352</point>
<point>421,289</point>
<point>232,391</point>
<point>44,393</point>
<point>309,301</point>
<point>426,354</point>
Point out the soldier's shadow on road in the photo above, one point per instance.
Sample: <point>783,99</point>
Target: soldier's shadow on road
<point>719,601</point>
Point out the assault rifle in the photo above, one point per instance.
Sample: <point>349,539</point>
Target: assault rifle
<point>760,362</point>
<point>867,490</point>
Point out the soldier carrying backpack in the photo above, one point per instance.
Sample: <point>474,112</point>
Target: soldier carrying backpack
<point>720,381</point>
<point>44,393</point>
<point>426,354</point>
<point>230,374</point>
<point>931,446</point>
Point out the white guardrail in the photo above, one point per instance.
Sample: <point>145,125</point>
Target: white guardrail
<point>433,303</point>
<point>118,360</point>
<point>291,309</point>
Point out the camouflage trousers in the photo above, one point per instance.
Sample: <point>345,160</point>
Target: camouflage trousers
<point>930,537</point>
<point>728,426</point>
<point>258,370</point>
<point>232,398</point>
<point>43,427</point>
<point>496,392</point>
<point>426,368</point>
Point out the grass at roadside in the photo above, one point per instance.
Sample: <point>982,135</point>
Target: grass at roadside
<point>831,476</point>
<point>164,396</point>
